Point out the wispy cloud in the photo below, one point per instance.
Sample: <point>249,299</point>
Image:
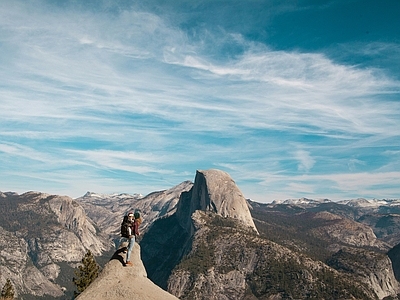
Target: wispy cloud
<point>142,163</point>
<point>340,186</point>
<point>114,95</point>
<point>15,150</point>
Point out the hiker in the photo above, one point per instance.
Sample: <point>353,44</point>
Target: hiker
<point>129,231</point>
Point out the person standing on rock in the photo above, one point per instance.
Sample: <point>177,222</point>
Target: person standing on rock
<point>133,221</point>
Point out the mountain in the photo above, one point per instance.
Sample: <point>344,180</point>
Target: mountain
<point>204,240</point>
<point>107,211</point>
<point>359,202</point>
<point>304,249</point>
<point>168,240</point>
<point>228,262</point>
<point>42,238</point>
<point>322,233</point>
<point>214,191</point>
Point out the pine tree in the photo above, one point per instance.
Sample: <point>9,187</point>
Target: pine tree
<point>86,273</point>
<point>7,293</point>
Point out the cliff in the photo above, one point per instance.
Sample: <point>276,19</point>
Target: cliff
<point>107,210</point>
<point>226,262</point>
<point>118,282</point>
<point>214,191</point>
<point>328,232</point>
<point>169,238</point>
<point>304,251</point>
<point>42,237</point>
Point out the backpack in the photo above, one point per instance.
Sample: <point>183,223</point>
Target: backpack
<point>125,227</point>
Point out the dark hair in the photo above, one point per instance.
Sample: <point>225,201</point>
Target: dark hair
<point>136,215</point>
<point>125,220</point>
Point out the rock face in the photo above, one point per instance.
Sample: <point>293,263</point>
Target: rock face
<point>338,229</point>
<point>219,258</point>
<point>15,265</point>
<point>41,234</point>
<point>43,237</point>
<point>227,263</point>
<point>384,225</point>
<point>214,191</point>
<point>170,238</point>
<point>394,255</point>
<point>117,282</point>
<point>107,211</point>
<point>346,245</point>
<point>377,273</point>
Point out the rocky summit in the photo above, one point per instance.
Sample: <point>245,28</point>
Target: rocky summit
<point>214,191</point>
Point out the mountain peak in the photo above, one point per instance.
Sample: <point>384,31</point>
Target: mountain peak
<point>214,190</point>
<point>118,196</point>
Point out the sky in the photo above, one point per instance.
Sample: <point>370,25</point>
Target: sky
<point>291,98</point>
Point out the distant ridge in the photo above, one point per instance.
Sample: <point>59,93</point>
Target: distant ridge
<point>359,202</point>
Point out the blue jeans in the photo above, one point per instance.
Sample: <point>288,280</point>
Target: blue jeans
<point>131,243</point>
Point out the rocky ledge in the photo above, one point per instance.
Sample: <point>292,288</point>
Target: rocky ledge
<point>117,282</point>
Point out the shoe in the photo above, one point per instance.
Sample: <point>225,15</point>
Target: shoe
<point>128,263</point>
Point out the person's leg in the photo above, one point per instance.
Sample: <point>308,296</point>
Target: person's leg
<point>118,242</point>
<point>130,248</point>
<point>122,244</point>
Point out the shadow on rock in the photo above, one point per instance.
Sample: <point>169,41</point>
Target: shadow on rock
<point>119,255</point>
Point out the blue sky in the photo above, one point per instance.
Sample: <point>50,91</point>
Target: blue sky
<point>291,98</point>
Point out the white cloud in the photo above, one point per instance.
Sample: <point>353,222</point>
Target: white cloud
<point>306,162</point>
<point>294,188</point>
<point>16,150</point>
<point>262,88</point>
<point>142,163</point>
<point>363,181</point>
<point>353,163</point>
<point>336,186</point>
<point>135,83</point>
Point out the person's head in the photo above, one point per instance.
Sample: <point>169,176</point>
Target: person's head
<point>137,214</point>
<point>130,215</point>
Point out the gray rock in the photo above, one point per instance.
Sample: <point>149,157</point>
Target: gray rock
<point>346,231</point>
<point>117,282</point>
<point>43,232</point>
<point>15,265</point>
<point>372,268</point>
<point>214,191</point>
<point>225,262</point>
<point>107,211</point>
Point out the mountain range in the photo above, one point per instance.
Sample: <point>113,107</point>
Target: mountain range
<point>205,240</point>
